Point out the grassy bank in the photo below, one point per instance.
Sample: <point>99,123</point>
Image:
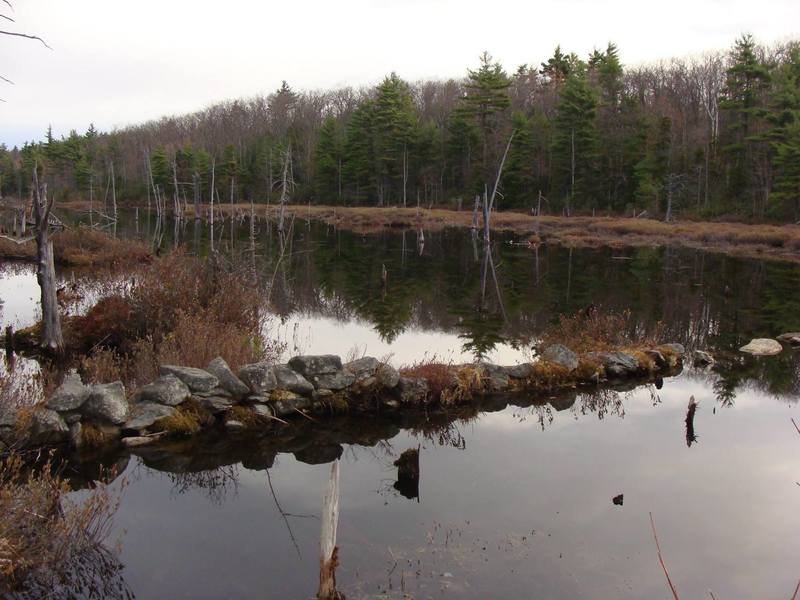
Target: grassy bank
<point>82,247</point>
<point>742,239</point>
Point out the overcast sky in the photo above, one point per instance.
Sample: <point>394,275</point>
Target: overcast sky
<point>115,62</point>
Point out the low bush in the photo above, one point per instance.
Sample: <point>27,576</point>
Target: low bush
<point>595,329</point>
<point>49,543</point>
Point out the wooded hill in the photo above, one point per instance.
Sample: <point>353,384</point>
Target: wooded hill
<point>716,134</point>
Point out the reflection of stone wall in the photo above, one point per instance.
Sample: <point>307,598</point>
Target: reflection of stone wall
<point>188,400</point>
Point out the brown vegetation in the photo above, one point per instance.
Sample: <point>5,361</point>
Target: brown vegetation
<point>594,329</point>
<point>83,247</point>
<point>177,309</point>
<point>745,239</point>
<point>188,418</point>
<point>47,540</point>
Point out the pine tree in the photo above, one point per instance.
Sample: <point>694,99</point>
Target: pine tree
<point>485,100</point>
<point>575,144</point>
<point>784,135</point>
<point>394,127</point>
<point>742,105</point>
<point>328,162</point>
<point>359,154</point>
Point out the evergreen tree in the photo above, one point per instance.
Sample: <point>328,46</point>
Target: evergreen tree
<point>742,103</point>
<point>394,125</point>
<point>484,102</point>
<point>575,143</point>
<point>328,162</point>
<point>359,165</point>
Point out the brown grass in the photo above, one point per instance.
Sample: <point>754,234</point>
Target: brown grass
<point>188,418</point>
<point>46,540</point>
<point>83,247</point>
<point>595,329</point>
<point>179,310</point>
<point>441,377</point>
<point>778,241</point>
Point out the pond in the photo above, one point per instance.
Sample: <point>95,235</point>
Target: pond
<point>514,500</point>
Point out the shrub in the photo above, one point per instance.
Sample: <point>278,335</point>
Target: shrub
<point>48,543</point>
<point>594,329</point>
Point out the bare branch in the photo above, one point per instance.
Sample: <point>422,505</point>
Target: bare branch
<point>6,80</point>
<point>661,560</point>
<point>25,35</point>
<point>7,18</point>
<point>8,3</point>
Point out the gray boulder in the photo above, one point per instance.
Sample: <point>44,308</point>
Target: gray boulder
<point>289,405</point>
<point>215,404</point>
<point>259,398</point>
<point>106,403</point>
<point>362,368</point>
<point>333,381</point>
<point>792,338</point>
<point>288,379</point>
<point>309,366</point>
<point>495,377</point>
<point>263,410</point>
<point>197,380</point>
<point>521,371</point>
<point>387,376</point>
<point>147,414</point>
<point>762,347</point>
<point>616,364</point>
<point>46,427</point>
<point>167,390</point>
<point>259,377</point>
<point>70,395</point>
<point>412,390</point>
<point>559,354</point>
<point>227,380</point>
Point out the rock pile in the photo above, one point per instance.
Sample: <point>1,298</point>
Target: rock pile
<point>187,399</point>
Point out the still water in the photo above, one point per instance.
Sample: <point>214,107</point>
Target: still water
<point>514,501</point>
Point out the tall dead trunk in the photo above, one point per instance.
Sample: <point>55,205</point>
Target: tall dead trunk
<point>328,560</point>
<point>52,340</point>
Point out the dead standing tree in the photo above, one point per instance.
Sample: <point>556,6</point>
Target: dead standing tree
<point>52,340</point>
<point>329,553</point>
<point>287,183</point>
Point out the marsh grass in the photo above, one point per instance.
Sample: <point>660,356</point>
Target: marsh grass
<point>189,418</point>
<point>83,247</point>
<point>596,329</point>
<point>178,309</point>
<point>47,540</point>
<point>740,238</point>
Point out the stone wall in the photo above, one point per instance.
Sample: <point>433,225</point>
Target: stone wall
<point>187,400</point>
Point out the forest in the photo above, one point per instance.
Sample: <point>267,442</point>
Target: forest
<point>707,136</point>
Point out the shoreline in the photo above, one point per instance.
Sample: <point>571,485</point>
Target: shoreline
<point>780,242</point>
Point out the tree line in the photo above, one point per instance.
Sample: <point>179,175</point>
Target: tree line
<point>711,135</point>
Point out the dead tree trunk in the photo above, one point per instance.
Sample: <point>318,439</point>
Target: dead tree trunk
<point>52,340</point>
<point>328,560</point>
<point>211,207</point>
<point>113,192</point>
